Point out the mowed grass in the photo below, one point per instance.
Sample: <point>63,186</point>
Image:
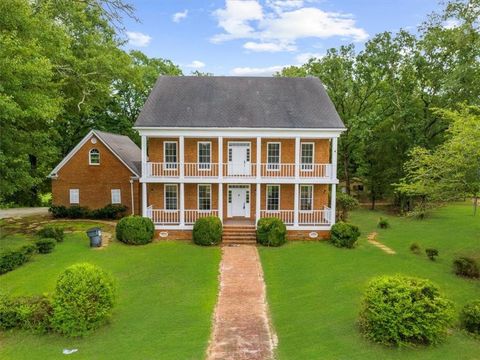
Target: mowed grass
<point>166,296</point>
<point>314,290</point>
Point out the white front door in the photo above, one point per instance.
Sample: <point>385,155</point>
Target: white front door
<point>239,204</point>
<point>239,159</point>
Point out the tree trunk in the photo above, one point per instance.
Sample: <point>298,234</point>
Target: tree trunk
<point>346,171</point>
<point>34,189</point>
<point>373,201</point>
<point>475,204</point>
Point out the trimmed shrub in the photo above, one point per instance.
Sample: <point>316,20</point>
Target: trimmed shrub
<point>26,312</point>
<point>470,317</point>
<point>11,259</point>
<point>401,310</point>
<point>45,246</point>
<point>110,211</point>
<point>383,223</point>
<point>431,253</point>
<point>207,231</point>
<point>53,232</point>
<point>135,230</point>
<point>415,248</point>
<point>83,299</point>
<point>271,232</point>
<point>344,235</point>
<point>467,267</point>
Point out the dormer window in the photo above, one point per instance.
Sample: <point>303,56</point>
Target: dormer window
<point>94,157</point>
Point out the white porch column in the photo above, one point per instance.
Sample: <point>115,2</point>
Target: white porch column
<point>257,203</point>
<point>295,206</point>
<point>182,204</point>
<point>220,158</point>
<point>334,158</point>
<point>259,156</point>
<point>144,156</point>
<point>297,157</point>
<point>333,198</point>
<point>181,144</point>
<point>144,199</point>
<point>220,201</point>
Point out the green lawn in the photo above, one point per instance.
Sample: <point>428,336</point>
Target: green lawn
<point>167,292</point>
<point>314,289</point>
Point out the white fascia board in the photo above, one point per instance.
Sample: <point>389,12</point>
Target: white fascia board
<point>240,132</point>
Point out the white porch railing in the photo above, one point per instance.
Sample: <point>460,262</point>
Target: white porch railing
<point>246,170</point>
<point>192,215</point>
<point>163,217</point>
<point>286,216</point>
<point>315,217</point>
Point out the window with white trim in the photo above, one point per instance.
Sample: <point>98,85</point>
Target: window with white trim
<point>94,157</point>
<point>307,156</point>
<point>306,197</point>
<point>170,154</point>
<point>116,196</point>
<point>273,197</point>
<point>204,155</point>
<point>171,197</point>
<point>74,196</point>
<point>273,156</point>
<point>204,197</point>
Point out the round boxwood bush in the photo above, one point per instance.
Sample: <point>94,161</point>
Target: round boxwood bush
<point>271,232</point>
<point>135,230</point>
<point>401,310</point>
<point>52,232</point>
<point>83,299</point>
<point>470,317</point>
<point>344,235</point>
<point>45,246</point>
<point>207,231</point>
<point>467,267</point>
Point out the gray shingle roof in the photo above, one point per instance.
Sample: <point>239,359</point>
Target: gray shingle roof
<point>124,148</point>
<point>244,102</point>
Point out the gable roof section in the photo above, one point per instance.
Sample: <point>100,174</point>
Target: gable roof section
<point>120,145</point>
<point>239,102</point>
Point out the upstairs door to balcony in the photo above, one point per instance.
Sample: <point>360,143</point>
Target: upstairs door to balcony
<point>239,159</point>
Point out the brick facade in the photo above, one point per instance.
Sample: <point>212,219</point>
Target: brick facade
<point>95,182</point>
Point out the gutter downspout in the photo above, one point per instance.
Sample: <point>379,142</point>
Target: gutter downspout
<point>132,197</point>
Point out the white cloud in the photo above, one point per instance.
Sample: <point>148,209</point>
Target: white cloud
<point>268,46</point>
<point>138,39</point>
<point>279,25</point>
<point>179,16</point>
<point>451,23</point>
<point>304,57</point>
<point>236,19</point>
<point>196,64</point>
<point>251,71</point>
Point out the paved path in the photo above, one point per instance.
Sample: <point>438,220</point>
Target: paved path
<point>241,329</point>
<point>372,239</point>
<point>21,212</point>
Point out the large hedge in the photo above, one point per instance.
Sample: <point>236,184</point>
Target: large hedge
<point>344,235</point>
<point>11,259</point>
<point>271,232</point>
<point>207,231</point>
<point>470,317</point>
<point>135,230</point>
<point>83,300</point>
<point>110,211</point>
<point>401,310</point>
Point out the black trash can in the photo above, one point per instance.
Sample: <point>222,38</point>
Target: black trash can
<point>95,235</point>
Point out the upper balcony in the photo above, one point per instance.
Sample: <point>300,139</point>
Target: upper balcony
<point>235,171</point>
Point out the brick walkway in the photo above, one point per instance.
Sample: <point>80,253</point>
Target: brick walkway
<point>241,329</point>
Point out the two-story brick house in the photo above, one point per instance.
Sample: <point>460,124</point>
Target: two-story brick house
<point>239,148</point>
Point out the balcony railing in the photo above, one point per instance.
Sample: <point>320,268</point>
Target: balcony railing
<point>243,170</point>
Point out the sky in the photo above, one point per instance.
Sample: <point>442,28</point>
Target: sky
<point>259,37</point>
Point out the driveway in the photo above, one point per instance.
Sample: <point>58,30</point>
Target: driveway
<point>22,212</point>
